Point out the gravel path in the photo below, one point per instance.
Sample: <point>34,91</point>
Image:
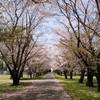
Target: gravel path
<point>47,88</point>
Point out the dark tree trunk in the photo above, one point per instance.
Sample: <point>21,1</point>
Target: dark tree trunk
<point>29,72</point>
<point>82,76</point>
<point>98,82</point>
<point>15,77</point>
<point>98,72</point>
<point>65,74</point>
<point>90,75</point>
<point>21,74</point>
<point>61,73</point>
<point>58,72</point>
<point>30,75</point>
<point>15,81</point>
<point>89,82</point>
<point>71,74</point>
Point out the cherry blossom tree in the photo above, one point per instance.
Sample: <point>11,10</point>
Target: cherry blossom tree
<point>20,36</point>
<point>81,20</point>
<point>38,65</point>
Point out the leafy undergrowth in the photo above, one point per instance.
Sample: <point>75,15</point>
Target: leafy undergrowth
<point>78,91</point>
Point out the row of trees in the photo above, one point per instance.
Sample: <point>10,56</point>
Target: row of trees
<point>20,25</point>
<point>38,65</point>
<point>80,37</point>
<point>20,30</point>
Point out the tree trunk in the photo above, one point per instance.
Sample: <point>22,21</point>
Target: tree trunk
<point>30,72</point>
<point>61,73</point>
<point>30,75</point>
<point>15,81</point>
<point>65,74</point>
<point>15,77</point>
<point>82,76</point>
<point>89,82</point>
<point>71,74</point>
<point>98,82</point>
<point>98,72</point>
<point>58,72</point>
<point>90,75</point>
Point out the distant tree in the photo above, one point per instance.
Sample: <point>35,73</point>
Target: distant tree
<point>38,64</point>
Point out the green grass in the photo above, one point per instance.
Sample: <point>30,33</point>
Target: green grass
<point>4,77</point>
<point>25,77</point>
<point>78,91</point>
<point>6,87</point>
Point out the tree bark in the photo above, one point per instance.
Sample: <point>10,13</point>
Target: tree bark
<point>71,74</point>
<point>89,82</point>
<point>98,82</point>
<point>65,74</point>
<point>15,81</point>
<point>90,75</point>
<point>15,77</point>
<point>30,75</point>
<point>98,72</point>
<point>61,73</point>
<point>82,76</point>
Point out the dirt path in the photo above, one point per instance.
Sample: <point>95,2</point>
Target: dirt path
<point>47,88</point>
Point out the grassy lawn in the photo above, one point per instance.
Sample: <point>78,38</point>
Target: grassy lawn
<point>5,87</point>
<point>7,77</point>
<point>25,77</point>
<point>4,77</point>
<point>78,91</point>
